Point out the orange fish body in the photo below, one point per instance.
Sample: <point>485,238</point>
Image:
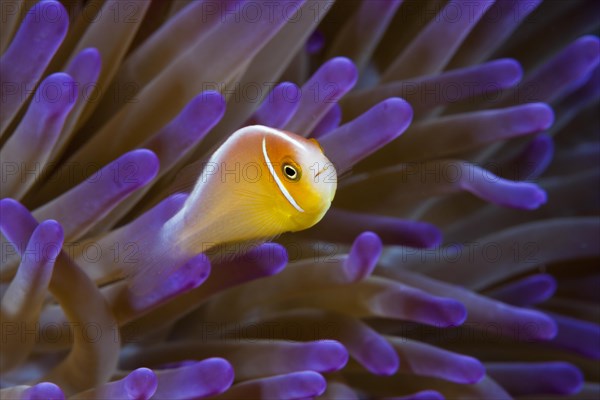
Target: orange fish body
<point>260,183</point>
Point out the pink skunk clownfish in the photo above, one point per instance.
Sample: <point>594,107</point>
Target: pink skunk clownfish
<point>261,182</point>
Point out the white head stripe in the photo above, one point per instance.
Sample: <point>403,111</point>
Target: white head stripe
<point>282,188</point>
<point>274,132</point>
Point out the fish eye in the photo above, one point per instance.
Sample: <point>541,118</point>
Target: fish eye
<point>291,172</point>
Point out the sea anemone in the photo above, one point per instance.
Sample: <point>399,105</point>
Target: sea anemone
<point>457,259</point>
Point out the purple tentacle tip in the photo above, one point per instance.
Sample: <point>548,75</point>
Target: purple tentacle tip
<point>430,236</point>
<point>294,385</point>
<point>379,357</point>
<point>198,380</point>
<point>358,139</point>
<point>581,337</point>
<point>321,92</point>
<point>325,355</point>
<point>189,276</point>
<point>444,312</point>
<point>213,104</point>
<point>134,169</point>
<point>535,158</point>
<point>520,195</point>
<point>85,67</point>
<point>422,395</point>
<point>416,234</point>
<point>48,236</point>
<point>43,391</point>
<point>566,378</point>
<point>341,70</point>
<point>141,384</point>
<point>540,327</point>
<point>589,50</point>
<point>467,370</point>
<point>533,117</point>
<point>543,378</point>
<point>305,384</point>
<point>423,307</point>
<point>17,223</point>
<point>363,257</point>
<point>192,273</point>
<point>270,258</point>
<point>315,42</point>
<point>527,291</point>
<point>509,72</point>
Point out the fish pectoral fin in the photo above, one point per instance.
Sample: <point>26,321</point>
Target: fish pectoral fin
<point>261,224</point>
<point>253,217</point>
<point>259,219</point>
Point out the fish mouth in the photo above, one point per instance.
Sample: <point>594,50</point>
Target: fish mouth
<point>324,169</point>
<point>326,181</point>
